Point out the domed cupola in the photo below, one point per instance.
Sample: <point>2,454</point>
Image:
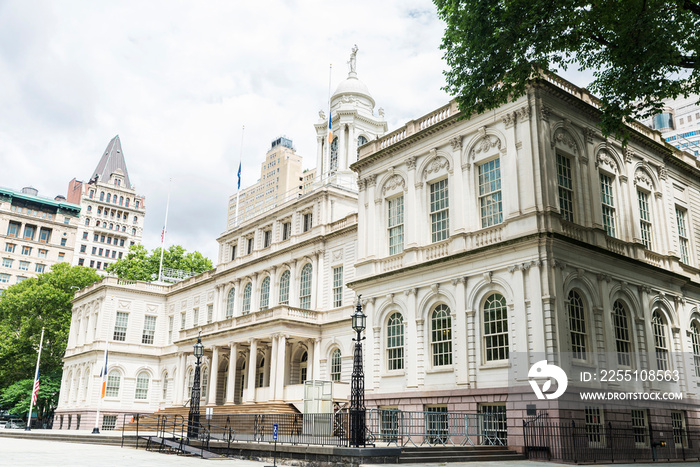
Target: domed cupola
<point>352,90</point>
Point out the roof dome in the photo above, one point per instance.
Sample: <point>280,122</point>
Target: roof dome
<point>353,86</point>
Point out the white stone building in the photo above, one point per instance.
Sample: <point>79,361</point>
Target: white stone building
<point>480,246</point>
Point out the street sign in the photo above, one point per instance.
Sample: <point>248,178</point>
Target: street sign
<point>275,429</point>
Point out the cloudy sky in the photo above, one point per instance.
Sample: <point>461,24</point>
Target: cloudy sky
<point>177,80</point>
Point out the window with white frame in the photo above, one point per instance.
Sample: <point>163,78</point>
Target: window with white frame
<point>683,244</point>
<point>183,320</point>
<point>660,345</point>
<point>267,238</point>
<point>394,342</point>
<point>286,230</point>
<point>441,336</point>
<point>680,435</point>
<point>284,288</point>
<point>607,203</point>
<point>595,430</point>
<point>623,343</point>
<point>142,381</point>
<point>109,422</point>
<point>695,340</point>
<point>205,381</point>
<point>639,427</point>
<point>565,186</point>
<point>645,224</point>
<point>120,326</point>
<point>113,382</point>
<point>195,317</point>
<point>577,325</point>
<point>171,320</point>
<point>250,242</point>
<point>210,313</point>
<point>265,294</point>
<point>230,301</point>
<point>439,211</point>
<point>308,220</point>
<point>336,365</point>
<point>305,287</point>
<point>338,286</point>
<point>490,199</point>
<point>395,225</point>
<point>495,328</point>
<point>247,293</point>
<point>149,330</point>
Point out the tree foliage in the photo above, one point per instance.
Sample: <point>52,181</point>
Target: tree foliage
<point>43,301</point>
<point>16,397</point>
<point>640,51</point>
<point>139,265</point>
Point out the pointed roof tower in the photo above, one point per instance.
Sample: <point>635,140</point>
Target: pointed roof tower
<point>112,161</point>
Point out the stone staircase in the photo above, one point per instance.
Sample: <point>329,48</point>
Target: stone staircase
<point>434,455</point>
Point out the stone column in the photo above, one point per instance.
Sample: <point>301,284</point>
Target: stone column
<point>181,380</point>
<point>281,367</point>
<point>294,285</point>
<point>317,359</point>
<point>309,360</point>
<point>252,363</point>
<point>319,156</point>
<point>461,337</point>
<point>213,376</point>
<point>410,216</point>
<point>268,364</point>
<point>361,217</point>
<point>255,294</point>
<point>410,338</point>
<point>273,365</point>
<point>231,384</point>
<point>216,312</point>
<point>372,219</point>
<point>317,284</point>
<point>274,294</point>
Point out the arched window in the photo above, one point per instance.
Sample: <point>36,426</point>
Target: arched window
<point>305,287</point>
<point>495,328</point>
<point>360,141</point>
<point>113,382</point>
<point>76,392</point>
<point>334,154</point>
<point>127,203</point>
<point>695,339</point>
<point>165,386</point>
<point>109,197</point>
<point>102,195</point>
<point>265,293</point>
<point>577,325</point>
<point>623,344</point>
<point>336,365</point>
<point>659,329</point>
<point>230,301</point>
<point>246,297</point>
<point>441,336</point>
<point>121,200</point>
<point>260,372</point>
<point>394,342</point>
<point>284,288</point>
<point>142,380</point>
<point>86,381</point>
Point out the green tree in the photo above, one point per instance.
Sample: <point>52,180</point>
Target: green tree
<point>640,51</point>
<point>43,301</point>
<point>16,397</point>
<point>138,265</point>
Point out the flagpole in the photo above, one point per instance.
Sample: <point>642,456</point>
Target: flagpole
<point>162,235</point>
<point>240,160</point>
<point>103,373</point>
<point>35,389</point>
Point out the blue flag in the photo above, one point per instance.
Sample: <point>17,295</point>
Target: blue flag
<point>239,175</point>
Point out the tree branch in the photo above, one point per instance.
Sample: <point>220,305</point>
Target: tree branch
<point>691,7</point>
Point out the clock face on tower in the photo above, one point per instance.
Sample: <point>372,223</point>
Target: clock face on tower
<point>334,154</point>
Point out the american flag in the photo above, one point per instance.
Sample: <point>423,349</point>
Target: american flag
<point>162,235</point>
<point>36,390</point>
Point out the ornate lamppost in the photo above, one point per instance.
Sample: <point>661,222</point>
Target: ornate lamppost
<point>357,387</point>
<point>193,418</point>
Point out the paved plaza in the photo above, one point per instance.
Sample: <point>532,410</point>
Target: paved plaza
<point>42,453</point>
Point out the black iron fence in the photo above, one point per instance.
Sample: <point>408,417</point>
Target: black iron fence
<point>572,441</point>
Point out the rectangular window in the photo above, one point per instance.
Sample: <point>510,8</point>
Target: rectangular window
<point>308,221</point>
<point>494,424</point>
<point>439,214</point>
<point>490,199</point>
<point>195,316</point>
<point>66,220</point>
<point>85,235</point>
<point>83,248</point>
<point>395,225</point>
<point>437,424</point>
<point>608,204</point>
<point>63,242</point>
<point>20,279</point>
<point>683,244</point>
<point>267,238</point>
<point>639,428</point>
<point>286,230</point>
<point>100,251</point>
<point>94,250</point>
<point>6,263</point>
<point>210,313</point>
<point>338,286</point>
<point>61,257</point>
<point>44,235</point>
<point>39,268</point>
<point>149,330</point>
<point>680,435</point>
<point>109,422</point>
<point>233,252</point>
<point>183,320</point>
<point>170,329</point>
<point>250,245</point>
<point>13,229</point>
<point>81,262</point>
<point>595,430</point>
<point>42,253</point>
<point>566,192</point>
<point>4,278</point>
<point>120,326</point>
<point>29,231</point>
<point>644,218</point>
<point>24,265</point>
<point>92,263</point>
<point>10,247</point>
<point>26,250</point>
